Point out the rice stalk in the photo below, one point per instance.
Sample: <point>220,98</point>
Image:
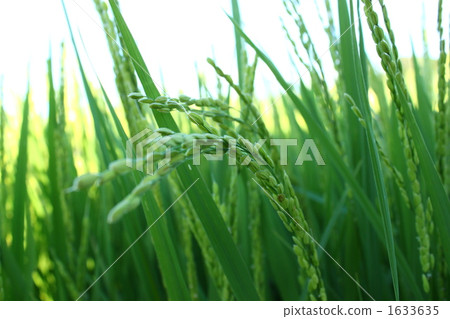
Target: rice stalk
<point>392,65</point>
<point>214,269</point>
<point>319,85</point>
<point>279,191</point>
<point>442,125</point>
<point>205,247</point>
<point>232,201</point>
<point>191,265</point>
<point>256,237</point>
<point>262,130</point>
<point>83,249</point>
<point>125,79</point>
<point>398,178</point>
<point>332,35</point>
<point>224,289</point>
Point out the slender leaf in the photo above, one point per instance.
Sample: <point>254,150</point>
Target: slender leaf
<point>230,259</point>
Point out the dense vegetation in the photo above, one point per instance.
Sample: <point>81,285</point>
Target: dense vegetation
<point>78,222</point>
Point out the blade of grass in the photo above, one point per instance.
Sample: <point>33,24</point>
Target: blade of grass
<point>333,155</point>
<point>354,132</point>
<point>59,238</point>
<point>425,109</point>
<point>13,257</point>
<point>14,274</point>
<point>20,187</point>
<point>434,185</point>
<point>238,41</point>
<point>363,101</point>
<point>164,246</point>
<point>231,260</point>
<point>319,132</point>
<point>2,157</point>
<point>2,186</point>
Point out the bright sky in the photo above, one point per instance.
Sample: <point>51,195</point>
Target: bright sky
<point>173,36</point>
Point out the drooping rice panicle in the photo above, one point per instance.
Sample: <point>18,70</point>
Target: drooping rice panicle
<point>261,127</point>
<point>332,36</point>
<point>125,78</point>
<point>249,83</point>
<point>262,130</point>
<point>398,178</point>
<point>394,49</point>
<point>442,125</point>
<point>281,193</point>
<point>318,81</point>
<point>393,68</point>
<point>207,107</point>
<point>248,87</point>
<point>222,240</point>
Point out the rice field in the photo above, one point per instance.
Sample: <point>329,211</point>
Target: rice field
<point>337,189</point>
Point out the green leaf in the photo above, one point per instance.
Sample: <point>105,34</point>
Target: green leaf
<point>434,185</point>
<point>233,265</point>
<point>13,258</point>
<point>239,48</point>
<point>317,130</point>
<point>333,155</point>
<point>164,245</point>
<point>56,191</point>
<point>356,72</point>
<point>20,188</point>
<point>425,110</point>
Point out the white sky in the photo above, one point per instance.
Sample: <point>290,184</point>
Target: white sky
<point>173,36</point>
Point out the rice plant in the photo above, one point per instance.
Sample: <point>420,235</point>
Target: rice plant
<point>210,207</point>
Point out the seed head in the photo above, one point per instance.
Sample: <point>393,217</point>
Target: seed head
<point>124,207</point>
<point>135,95</point>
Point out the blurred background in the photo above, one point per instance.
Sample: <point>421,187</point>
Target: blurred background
<point>183,33</point>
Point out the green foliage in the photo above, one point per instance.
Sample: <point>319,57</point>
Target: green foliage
<point>78,222</point>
